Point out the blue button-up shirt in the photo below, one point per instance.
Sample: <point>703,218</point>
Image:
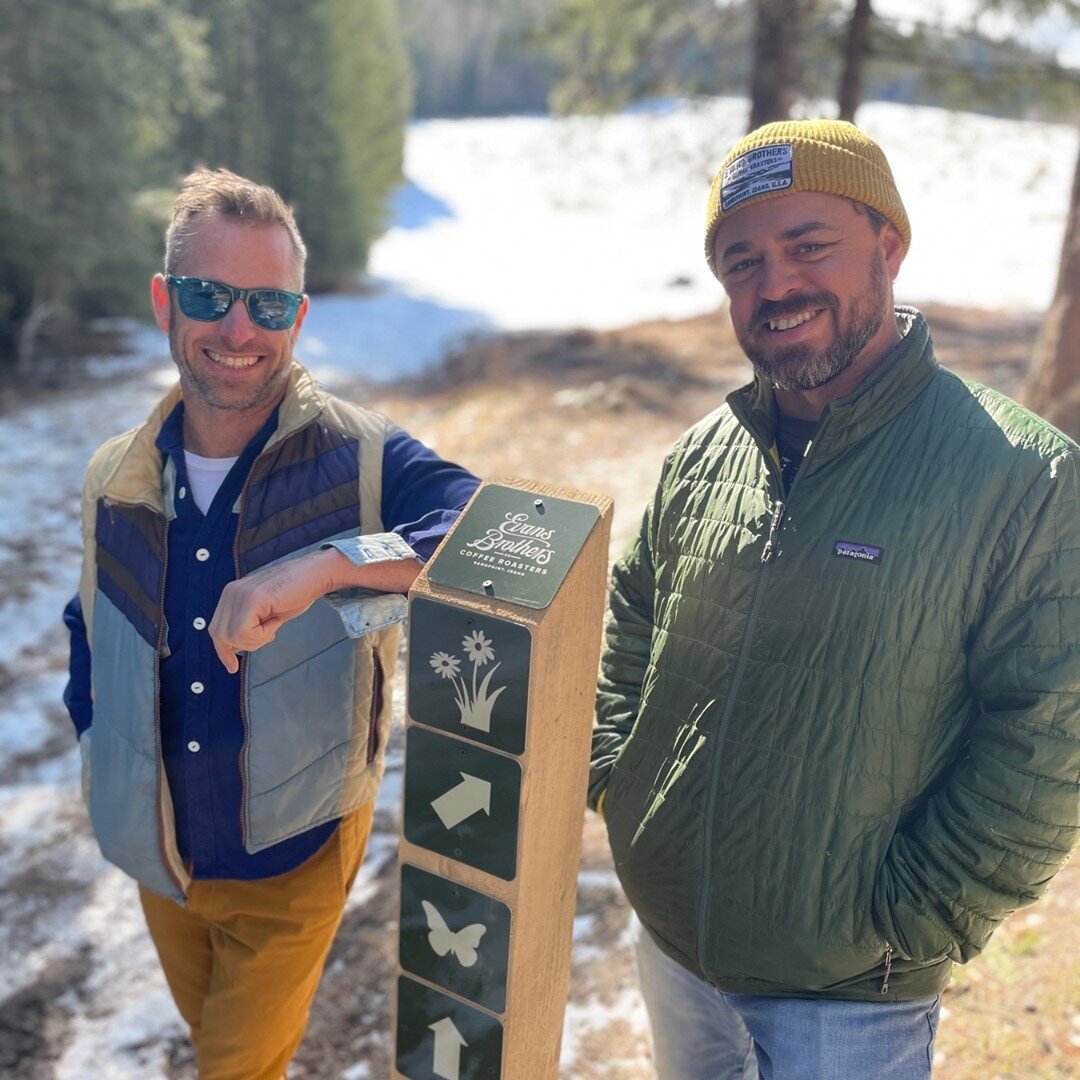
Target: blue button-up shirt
<point>202,731</point>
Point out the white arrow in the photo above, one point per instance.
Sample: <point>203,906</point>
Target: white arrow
<point>461,802</point>
<point>448,1044</point>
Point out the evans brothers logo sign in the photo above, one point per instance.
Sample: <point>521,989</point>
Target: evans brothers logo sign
<point>514,545</point>
<point>518,543</point>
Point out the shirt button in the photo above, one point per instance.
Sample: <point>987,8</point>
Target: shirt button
<point>202,554</point>
<point>197,688</point>
<point>181,493</point>
<point>194,747</point>
<point>199,623</point>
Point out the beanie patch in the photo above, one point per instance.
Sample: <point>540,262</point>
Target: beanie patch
<point>768,168</point>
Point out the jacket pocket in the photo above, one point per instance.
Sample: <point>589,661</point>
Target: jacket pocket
<point>377,680</point>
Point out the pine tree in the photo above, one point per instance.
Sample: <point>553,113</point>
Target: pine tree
<point>311,98</point>
<point>856,44</point>
<point>610,52</point>
<point>779,26</point>
<point>1054,386</point>
<point>85,97</point>
<point>473,57</point>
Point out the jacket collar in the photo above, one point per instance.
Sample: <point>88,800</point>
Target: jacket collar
<point>137,475</point>
<point>883,394</point>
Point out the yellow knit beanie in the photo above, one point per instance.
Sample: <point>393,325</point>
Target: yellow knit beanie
<point>831,156</point>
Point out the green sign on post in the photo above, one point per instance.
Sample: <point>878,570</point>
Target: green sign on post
<point>441,1038</point>
<point>469,673</point>
<point>454,937</point>
<point>514,545</point>
<point>462,801</point>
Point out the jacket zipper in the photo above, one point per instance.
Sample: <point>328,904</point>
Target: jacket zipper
<point>729,707</point>
<point>774,528</point>
<point>162,838</point>
<point>776,521</point>
<point>243,659</point>
<point>888,968</point>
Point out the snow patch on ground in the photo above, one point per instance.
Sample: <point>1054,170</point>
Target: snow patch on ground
<point>132,1016</point>
<point>591,1016</point>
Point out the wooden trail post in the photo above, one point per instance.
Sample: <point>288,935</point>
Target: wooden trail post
<point>504,643</point>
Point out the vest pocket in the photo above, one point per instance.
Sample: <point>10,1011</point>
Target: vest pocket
<point>377,679</point>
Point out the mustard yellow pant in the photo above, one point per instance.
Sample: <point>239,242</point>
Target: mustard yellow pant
<point>243,958</point>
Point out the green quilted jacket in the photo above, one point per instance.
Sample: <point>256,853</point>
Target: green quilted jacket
<point>838,735</point>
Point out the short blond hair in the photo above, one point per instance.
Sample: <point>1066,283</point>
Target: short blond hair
<point>206,192</point>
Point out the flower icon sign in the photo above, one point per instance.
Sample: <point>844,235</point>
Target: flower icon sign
<point>445,665</point>
<point>478,648</point>
<point>474,702</point>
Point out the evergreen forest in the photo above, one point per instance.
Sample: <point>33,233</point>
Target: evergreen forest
<point>106,104</point>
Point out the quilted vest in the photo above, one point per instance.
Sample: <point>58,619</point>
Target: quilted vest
<point>315,702</point>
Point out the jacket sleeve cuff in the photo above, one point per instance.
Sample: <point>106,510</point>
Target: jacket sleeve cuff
<point>363,611</point>
<point>373,548</point>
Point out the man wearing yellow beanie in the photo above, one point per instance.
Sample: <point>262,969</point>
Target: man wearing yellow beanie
<point>838,734</point>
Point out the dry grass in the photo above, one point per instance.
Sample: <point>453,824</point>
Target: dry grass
<point>1014,1013</point>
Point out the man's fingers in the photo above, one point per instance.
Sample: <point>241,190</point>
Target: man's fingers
<point>251,609</point>
<point>228,657</point>
<point>245,640</point>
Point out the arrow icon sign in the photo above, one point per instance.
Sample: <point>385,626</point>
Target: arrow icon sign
<point>461,802</point>
<point>448,1044</point>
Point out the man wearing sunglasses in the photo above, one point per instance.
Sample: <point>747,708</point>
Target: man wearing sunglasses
<point>236,628</point>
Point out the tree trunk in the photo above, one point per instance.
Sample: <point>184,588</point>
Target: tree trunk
<point>775,78</point>
<point>1053,389</point>
<point>26,352</point>
<point>849,96</point>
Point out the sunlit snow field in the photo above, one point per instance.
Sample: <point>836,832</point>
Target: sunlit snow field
<point>529,222</point>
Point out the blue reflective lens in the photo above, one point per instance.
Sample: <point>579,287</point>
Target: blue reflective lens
<point>209,301</point>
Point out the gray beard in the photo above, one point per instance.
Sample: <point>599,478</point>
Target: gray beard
<point>204,391</point>
<point>803,367</point>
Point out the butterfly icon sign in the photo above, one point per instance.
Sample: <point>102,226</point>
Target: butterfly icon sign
<point>462,944</point>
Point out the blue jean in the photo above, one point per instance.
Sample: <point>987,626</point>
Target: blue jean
<point>701,1033</point>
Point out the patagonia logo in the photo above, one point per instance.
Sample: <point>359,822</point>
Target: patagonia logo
<point>767,168</point>
<point>863,552</point>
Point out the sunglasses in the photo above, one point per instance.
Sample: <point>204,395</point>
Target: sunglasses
<point>209,301</point>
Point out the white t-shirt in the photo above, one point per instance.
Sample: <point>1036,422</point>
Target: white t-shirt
<point>205,475</point>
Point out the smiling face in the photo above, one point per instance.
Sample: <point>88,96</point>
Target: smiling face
<point>810,285</point>
<point>231,367</point>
